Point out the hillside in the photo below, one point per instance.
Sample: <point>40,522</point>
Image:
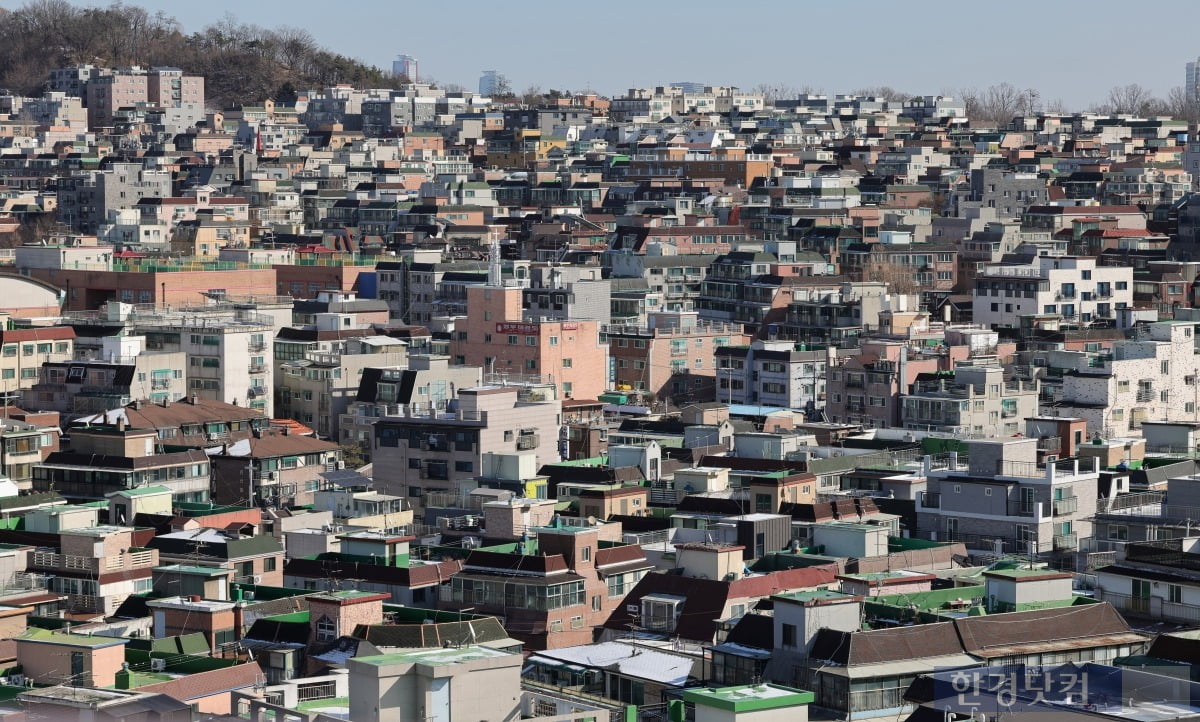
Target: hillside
<point>240,63</point>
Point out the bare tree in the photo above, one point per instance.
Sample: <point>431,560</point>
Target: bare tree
<point>899,277</point>
<point>772,92</point>
<point>884,92</point>
<point>1131,99</point>
<point>532,95</point>
<point>1179,105</point>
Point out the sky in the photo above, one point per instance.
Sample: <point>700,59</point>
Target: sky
<point>1068,50</point>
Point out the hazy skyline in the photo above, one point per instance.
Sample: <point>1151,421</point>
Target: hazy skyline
<point>1073,52</point>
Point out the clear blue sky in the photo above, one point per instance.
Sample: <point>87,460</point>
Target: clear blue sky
<point>1074,50</point>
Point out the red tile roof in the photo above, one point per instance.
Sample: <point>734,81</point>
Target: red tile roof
<point>206,684</point>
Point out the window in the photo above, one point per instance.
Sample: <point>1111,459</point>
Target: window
<point>596,602</point>
<point>789,636</point>
<point>585,554</point>
<point>269,564</point>
<point>566,363</point>
<point>326,629</point>
<point>1174,594</point>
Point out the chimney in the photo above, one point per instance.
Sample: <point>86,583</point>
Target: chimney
<point>193,400</point>
<point>285,430</point>
<point>194,598</point>
<point>121,423</point>
<point>166,402</point>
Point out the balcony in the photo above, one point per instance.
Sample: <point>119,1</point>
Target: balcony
<point>1145,395</point>
<point>1024,508</point>
<point>258,368</point>
<point>1067,505</point>
<point>1066,542</point>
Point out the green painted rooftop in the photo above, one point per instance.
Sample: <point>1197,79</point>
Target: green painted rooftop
<point>47,636</point>
<point>749,698</point>
<point>818,595</point>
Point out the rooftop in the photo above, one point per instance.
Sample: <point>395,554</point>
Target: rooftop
<point>434,657</point>
<point>818,596</point>
<point>749,698</point>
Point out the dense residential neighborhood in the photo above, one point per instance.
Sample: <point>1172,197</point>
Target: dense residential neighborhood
<point>691,403</point>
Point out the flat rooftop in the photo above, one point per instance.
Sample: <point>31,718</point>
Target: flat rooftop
<point>434,657</point>
<point>749,698</point>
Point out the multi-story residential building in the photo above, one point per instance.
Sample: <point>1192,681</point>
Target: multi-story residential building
<point>498,336</point>
<point>228,353</point>
<point>865,388</point>
<point>969,402</point>
<point>1007,191</point>
<point>26,439</point>
<point>317,389</point>
<point>740,288</point>
<point>772,373</point>
<point>582,299</point>
<point>84,200</point>
<point>441,450</point>
<point>903,264</point>
<point>110,90</point>
<point>24,350</point>
<point>193,422</point>
<point>270,468</point>
<point>838,314</point>
<point>429,382</point>
<point>672,356</point>
<point>1152,377</point>
<point>1146,186</point>
<point>53,108</point>
<point>96,568</point>
<point>672,283</point>
<point>1154,579</point>
<point>557,597</point>
<point>1074,289</point>
<point>1006,497</point>
<point>106,458</point>
<point>254,559</point>
<point>79,388</point>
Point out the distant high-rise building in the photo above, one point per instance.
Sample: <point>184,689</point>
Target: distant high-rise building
<point>489,82</point>
<point>1191,85</point>
<point>405,65</point>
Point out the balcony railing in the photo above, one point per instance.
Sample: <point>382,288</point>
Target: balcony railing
<point>1145,395</point>
<point>1066,505</point>
<point>1022,508</point>
<point>1066,541</point>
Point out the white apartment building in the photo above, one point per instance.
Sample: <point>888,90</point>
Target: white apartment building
<point>1148,378</point>
<point>1076,289</point>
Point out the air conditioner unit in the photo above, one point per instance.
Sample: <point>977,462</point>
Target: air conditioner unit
<point>17,680</point>
<point>1051,458</point>
<point>158,665</point>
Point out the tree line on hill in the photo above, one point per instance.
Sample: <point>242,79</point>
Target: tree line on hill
<point>240,63</point>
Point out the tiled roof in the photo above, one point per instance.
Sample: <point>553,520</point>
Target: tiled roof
<point>205,684</point>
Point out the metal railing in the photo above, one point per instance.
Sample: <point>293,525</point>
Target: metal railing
<point>1066,505</point>
<point>1066,541</point>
